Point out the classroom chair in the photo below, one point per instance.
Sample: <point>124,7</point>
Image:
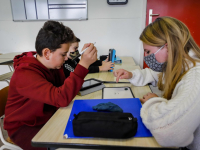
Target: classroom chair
<point>8,144</point>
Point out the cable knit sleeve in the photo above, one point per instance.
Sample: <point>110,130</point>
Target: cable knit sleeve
<point>173,122</point>
<point>143,77</point>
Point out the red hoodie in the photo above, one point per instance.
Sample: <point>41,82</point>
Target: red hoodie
<point>36,92</point>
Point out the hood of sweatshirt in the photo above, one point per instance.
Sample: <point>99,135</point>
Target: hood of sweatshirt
<point>28,59</point>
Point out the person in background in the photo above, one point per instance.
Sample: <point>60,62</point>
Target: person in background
<point>173,58</point>
<point>70,64</point>
<point>38,86</point>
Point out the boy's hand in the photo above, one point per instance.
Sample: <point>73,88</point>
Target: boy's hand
<point>122,74</point>
<point>89,56</point>
<point>106,65</point>
<point>147,97</point>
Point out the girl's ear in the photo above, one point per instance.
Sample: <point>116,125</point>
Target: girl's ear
<point>46,53</point>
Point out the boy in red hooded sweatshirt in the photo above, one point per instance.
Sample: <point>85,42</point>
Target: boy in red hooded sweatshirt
<point>38,86</point>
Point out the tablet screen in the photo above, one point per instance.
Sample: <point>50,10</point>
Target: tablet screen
<point>117,92</point>
<point>89,84</point>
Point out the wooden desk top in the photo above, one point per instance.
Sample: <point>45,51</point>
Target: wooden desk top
<point>8,57</point>
<point>127,61</point>
<point>51,135</point>
<point>108,76</point>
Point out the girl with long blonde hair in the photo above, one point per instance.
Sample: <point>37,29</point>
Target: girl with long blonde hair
<point>173,58</point>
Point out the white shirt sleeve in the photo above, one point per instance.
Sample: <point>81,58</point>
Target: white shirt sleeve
<point>173,122</point>
<point>143,77</point>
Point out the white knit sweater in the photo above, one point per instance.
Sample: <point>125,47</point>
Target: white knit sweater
<point>174,122</point>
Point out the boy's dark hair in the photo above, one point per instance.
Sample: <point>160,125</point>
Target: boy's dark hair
<point>77,39</point>
<point>52,35</point>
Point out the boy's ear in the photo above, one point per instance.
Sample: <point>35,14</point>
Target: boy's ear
<point>46,53</point>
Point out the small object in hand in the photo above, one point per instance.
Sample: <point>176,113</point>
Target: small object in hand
<point>81,53</point>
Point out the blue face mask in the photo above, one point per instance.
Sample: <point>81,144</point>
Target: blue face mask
<point>151,61</point>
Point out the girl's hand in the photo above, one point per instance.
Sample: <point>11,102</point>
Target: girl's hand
<point>122,74</point>
<point>147,97</point>
<point>106,65</point>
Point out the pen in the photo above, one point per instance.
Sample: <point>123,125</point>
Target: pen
<point>81,53</point>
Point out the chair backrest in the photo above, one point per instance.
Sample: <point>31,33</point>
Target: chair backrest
<point>3,99</point>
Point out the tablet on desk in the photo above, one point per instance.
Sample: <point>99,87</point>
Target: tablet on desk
<point>117,92</point>
<point>90,83</point>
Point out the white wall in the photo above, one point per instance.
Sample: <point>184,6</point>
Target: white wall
<point>109,26</point>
